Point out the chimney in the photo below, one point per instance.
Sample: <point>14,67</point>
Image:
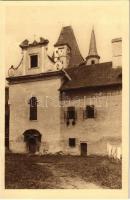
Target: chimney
<point>117,52</point>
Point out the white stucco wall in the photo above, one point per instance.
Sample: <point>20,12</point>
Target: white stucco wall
<point>106,125</point>
<point>48,121</point>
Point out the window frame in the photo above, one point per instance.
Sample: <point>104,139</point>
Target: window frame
<point>73,110</point>
<point>72,142</point>
<point>34,54</point>
<point>88,109</point>
<point>33,111</point>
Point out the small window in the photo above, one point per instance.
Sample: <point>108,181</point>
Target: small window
<point>72,142</point>
<point>71,113</point>
<point>90,111</point>
<point>93,62</point>
<point>34,61</point>
<point>33,108</point>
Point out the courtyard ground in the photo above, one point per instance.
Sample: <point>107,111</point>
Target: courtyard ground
<point>61,172</point>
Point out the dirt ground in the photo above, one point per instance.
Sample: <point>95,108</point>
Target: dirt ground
<point>61,172</point>
<point>65,180</point>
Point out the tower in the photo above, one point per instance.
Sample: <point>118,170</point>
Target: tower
<point>93,57</point>
<point>66,52</point>
<point>62,56</point>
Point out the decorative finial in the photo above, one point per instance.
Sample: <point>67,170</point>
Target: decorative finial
<point>11,71</point>
<point>24,44</point>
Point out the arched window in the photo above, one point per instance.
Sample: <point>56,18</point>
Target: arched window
<point>93,62</point>
<point>33,108</point>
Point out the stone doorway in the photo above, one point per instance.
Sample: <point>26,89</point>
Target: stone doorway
<point>83,147</point>
<point>32,138</point>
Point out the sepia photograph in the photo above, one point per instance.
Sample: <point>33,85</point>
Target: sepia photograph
<point>63,95</point>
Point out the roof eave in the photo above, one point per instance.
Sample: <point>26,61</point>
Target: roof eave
<point>28,78</point>
<point>92,56</point>
<point>92,86</point>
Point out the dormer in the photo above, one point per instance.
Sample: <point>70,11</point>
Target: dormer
<point>62,56</point>
<point>34,60</point>
<point>34,56</point>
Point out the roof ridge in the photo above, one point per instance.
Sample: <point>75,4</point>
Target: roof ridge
<point>84,65</point>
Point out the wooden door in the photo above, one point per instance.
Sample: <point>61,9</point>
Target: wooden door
<point>83,149</point>
<point>32,145</point>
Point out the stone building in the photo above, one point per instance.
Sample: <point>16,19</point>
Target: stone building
<point>65,103</point>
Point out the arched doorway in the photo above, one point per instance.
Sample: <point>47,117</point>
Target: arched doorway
<point>32,138</point>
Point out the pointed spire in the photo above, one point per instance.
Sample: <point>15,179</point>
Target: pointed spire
<point>93,57</point>
<point>92,46</point>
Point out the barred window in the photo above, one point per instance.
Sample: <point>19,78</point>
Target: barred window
<point>33,108</point>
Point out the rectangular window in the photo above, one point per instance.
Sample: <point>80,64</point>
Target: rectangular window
<point>71,113</point>
<point>33,113</point>
<point>72,142</point>
<point>33,108</point>
<point>90,111</point>
<point>34,61</point>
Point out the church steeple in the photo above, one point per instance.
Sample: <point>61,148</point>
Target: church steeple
<point>93,57</point>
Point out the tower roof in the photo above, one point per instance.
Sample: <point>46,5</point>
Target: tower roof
<point>92,45</point>
<point>67,37</point>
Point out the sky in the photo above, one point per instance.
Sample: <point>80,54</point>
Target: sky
<point>34,21</point>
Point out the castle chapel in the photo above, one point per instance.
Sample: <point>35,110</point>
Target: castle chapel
<point>65,103</point>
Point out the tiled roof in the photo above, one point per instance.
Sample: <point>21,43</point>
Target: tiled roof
<point>92,76</point>
<point>67,37</point>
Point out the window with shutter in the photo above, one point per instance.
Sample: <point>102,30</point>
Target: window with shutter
<point>33,108</point>
<point>71,114</point>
